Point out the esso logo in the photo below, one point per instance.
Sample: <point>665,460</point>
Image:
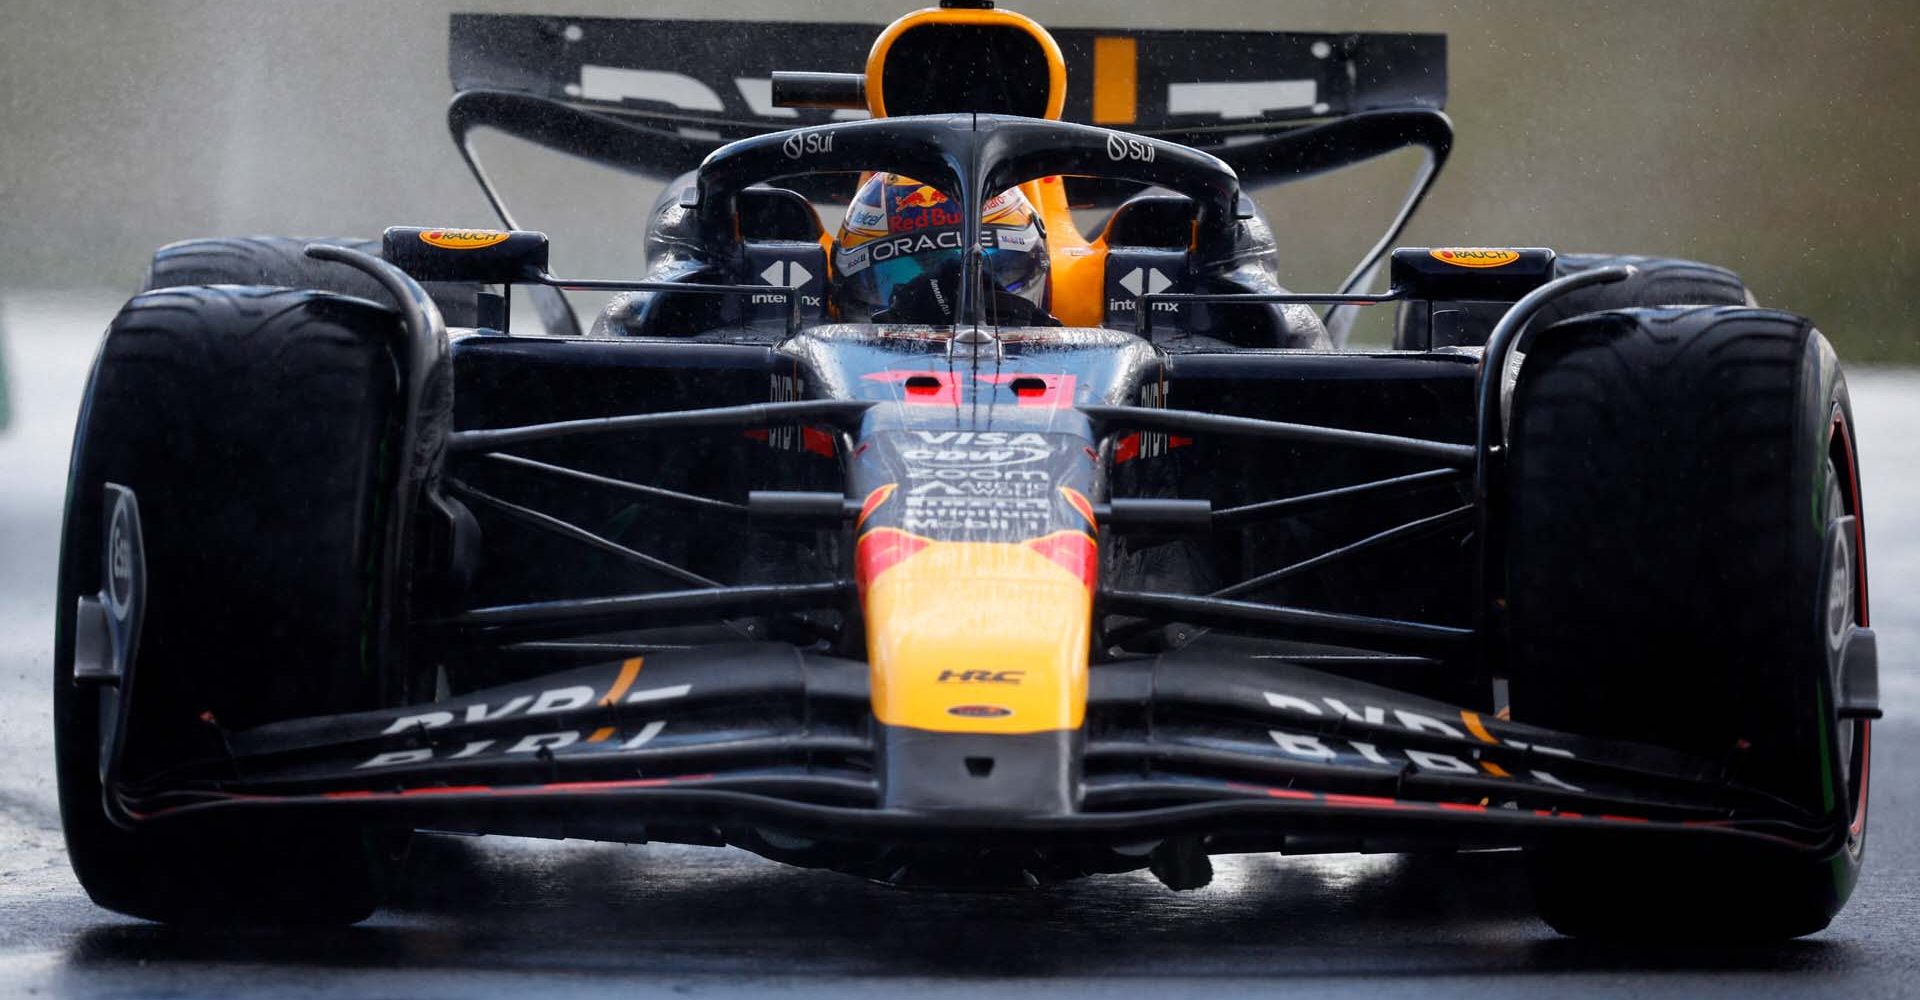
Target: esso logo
<point>807,144</point>
<point>1120,148</point>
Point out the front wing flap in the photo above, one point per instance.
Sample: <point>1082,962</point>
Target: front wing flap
<point>774,736</point>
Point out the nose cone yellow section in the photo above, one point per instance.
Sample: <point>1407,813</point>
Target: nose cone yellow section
<point>982,637</point>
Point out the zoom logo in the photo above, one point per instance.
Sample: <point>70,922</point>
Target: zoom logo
<point>807,143</point>
<point>1121,148</point>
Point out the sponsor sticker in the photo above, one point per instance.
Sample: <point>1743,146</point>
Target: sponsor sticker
<point>982,677</point>
<point>980,711</point>
<point>922,196</point>
<point>915,218</point>
<point>802,144</point>
<point>558,701</point>
<point>976,449</point>
<point>853,261</point>
<point>1476,257</point>
<point>1469,730</point>
<point>1009,208</point>
<point>870,219</point>
<point>1121,148</point>
<point>463,239</point>
<point>1016,239</point>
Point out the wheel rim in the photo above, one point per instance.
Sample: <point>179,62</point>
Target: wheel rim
<point>1840,616</point>
<point>1846,607</point>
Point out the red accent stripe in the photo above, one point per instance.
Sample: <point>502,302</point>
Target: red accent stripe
<point>944,392</point>
<point>1080,503</point>
<point>873,502</point>
<point>1071,549</point>
<point>594,786</point>
<point>1368,802</point>
<point>1866,773</point>
<point>1290,794</point>
<point>818,441</point>
<point>413,793</point>
<point>1845,434</point>
<point>882,549</point>
<point>561,786</point>
<point>811,439</point>
<point>1055,393</point>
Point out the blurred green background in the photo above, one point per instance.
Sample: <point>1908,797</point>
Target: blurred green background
<point>1777,138</point>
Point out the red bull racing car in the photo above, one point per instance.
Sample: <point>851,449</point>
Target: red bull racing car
<point>1021,527</point>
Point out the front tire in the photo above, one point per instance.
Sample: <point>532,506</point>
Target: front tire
<point>282,262</point>
<point>1659,281</point>
<point>1675,477</point>
<point>252,426</point>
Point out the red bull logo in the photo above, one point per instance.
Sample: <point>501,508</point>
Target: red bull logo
<point>913,220</point>
<point>920,208</point>
<point>922,197</point>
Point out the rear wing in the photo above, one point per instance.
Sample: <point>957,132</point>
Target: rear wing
<point>688,87</point>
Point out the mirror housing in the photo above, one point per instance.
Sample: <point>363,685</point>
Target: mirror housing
<point>1469,274</point>
<point>488,256</point>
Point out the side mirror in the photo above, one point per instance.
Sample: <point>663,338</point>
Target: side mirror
<point>488,256</point>
<point>1469,274</point>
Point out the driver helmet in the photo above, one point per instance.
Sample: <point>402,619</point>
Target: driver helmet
<point>899,257</point>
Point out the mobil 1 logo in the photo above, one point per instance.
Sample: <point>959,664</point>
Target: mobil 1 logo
<point>988,481</point>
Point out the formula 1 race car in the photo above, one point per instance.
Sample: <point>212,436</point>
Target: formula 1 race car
<point>962,546</point>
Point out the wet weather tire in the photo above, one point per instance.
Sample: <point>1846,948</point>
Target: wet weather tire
<point>282,261</point>
<point>1675,478</point>
<point>1662,281</point>
<point>251,425</point>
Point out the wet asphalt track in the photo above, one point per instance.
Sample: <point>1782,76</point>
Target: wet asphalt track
<point>521,918</point>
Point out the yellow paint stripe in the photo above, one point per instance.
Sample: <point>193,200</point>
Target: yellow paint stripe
<point>1495,770</point>
<point>1116,81</point>
<point>1474,726</point>
<point>628,671</point>
<point>600,735</point>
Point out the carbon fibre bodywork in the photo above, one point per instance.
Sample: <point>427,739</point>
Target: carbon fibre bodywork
<point>1171,578</point>
<point>685,730</point>
<point>762,745</point>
